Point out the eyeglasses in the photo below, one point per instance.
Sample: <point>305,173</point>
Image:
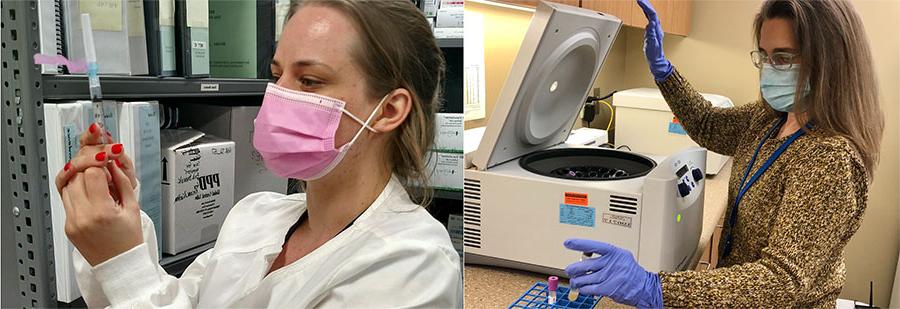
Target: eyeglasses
<point>781,61</point>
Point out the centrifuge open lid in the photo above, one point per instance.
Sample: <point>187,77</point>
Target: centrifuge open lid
<point>555,68</point>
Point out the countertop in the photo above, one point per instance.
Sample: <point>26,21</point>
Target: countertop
<point>496,287</point>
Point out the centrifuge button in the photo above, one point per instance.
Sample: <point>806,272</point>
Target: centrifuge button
<point>683,189</point>
<point>698,174</point>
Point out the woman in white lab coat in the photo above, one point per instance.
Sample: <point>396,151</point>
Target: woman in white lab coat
<point>354,239</point>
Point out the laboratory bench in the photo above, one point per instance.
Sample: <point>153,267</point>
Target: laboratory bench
<point>497,287</point>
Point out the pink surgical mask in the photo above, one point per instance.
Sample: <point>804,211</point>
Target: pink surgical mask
<point>294,132</point>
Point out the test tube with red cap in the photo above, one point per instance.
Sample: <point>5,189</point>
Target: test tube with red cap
<point>552,285</point>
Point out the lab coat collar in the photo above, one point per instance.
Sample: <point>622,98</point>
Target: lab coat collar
<point>273,214</point>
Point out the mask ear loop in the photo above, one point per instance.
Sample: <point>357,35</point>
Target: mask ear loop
<point>366,123</point>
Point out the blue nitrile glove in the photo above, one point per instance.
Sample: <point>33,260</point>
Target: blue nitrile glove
<point>653,41</point>
<point>615,274</point>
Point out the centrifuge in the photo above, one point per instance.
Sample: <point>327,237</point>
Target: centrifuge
<point>526,191</point>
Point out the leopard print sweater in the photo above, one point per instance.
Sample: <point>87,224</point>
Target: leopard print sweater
<point>792,224</point>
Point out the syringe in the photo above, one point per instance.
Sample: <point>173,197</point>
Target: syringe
<point>92,70</point>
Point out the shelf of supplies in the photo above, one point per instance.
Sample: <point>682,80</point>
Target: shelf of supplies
<point>450,42</point>
<point>176,264</point>
<point>75,87</point>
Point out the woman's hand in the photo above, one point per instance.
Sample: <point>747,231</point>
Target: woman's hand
<point>615,274</point>
<point>653,41</point>
<point>98,225</point>
<point>97,189</point>
<point>94,154</point>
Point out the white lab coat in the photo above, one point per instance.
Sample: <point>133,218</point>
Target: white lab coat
<point>395,255</point>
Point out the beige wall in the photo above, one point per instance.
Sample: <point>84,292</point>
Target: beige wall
<point>715,58</point>
<point>872,254</point>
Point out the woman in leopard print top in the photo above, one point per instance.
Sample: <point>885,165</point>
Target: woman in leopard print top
<point>784,238</point>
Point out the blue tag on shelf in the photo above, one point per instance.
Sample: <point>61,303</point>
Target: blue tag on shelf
<point>577,215</point>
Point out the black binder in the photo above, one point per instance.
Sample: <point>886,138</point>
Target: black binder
<point>189,45</point>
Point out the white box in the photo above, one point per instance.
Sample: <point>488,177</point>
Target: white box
<point>448,33</point>
<point>446,170</point>
<point>235,123</point>
<point>645,123</point>
<point>449,18</point>
<point>452,4</point>
<point>448,131</point>
<point>197,185</point>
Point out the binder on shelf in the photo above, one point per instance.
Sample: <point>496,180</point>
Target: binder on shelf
<point>50,31</point>
<point>119,49</point>
<point>192,33</point>
<point>138,129</point>
<point>137,37</point>
<point>159,20</point>
<point>241,38</point>
<point>64,124</point>
<point>282,7</point>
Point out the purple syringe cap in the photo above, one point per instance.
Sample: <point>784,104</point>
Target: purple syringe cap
<point>552,283</point>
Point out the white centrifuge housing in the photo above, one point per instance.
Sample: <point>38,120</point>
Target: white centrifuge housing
<point>526,191</point>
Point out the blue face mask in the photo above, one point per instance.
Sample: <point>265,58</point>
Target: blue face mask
<point>778,87</point>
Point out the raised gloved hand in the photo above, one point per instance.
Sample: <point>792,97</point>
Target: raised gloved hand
<point>653,40</point>
<point>614,274</point>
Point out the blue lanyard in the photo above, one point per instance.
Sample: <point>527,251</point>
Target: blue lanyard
<point>732,219</point>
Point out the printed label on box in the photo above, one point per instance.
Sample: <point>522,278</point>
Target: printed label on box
<point>577,215</point>
<point>613,219</point>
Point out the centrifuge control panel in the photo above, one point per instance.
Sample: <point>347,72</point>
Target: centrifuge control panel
<point>689,178</point>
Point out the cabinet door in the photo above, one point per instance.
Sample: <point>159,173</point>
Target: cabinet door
<point>675,15</point>
<point>680,23</point>
<point>618,8</point>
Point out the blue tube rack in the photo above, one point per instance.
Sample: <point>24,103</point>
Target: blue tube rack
<point>536,297</point>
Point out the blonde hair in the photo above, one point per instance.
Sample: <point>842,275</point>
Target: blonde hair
<point>837,66</point>
<point>397,49</point>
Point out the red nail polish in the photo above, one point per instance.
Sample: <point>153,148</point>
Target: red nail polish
<point>68,166</point>
<point>119,164</point>
<point>93,128</point>
<point>100,156</point>
<point>117,148</point>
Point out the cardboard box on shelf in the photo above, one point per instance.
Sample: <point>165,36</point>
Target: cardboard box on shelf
<point>236,123</point>
<point>446,170</point>
<point>452,4</point>
<point>449,18</point>
<point>197,185</point>
<point>448,33</point>
<point>449,132</point>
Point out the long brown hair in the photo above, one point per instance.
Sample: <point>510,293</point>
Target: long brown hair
<point>837,65</point>
<point>397,49</point>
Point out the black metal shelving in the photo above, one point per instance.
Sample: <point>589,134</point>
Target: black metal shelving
<point>74,87</point>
